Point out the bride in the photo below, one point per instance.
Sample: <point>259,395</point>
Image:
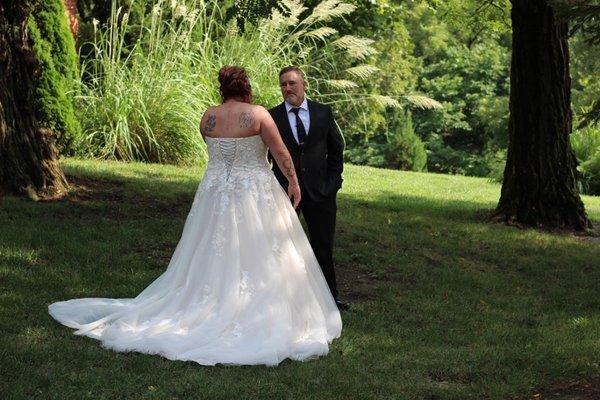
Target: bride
<point>243,285</point>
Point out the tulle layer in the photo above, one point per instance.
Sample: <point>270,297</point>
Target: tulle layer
<point>242,287</point>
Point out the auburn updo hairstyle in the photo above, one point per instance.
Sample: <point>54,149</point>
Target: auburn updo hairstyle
<point>234,83</point>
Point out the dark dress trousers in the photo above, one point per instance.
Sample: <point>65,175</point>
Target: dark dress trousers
<point>319,165</point>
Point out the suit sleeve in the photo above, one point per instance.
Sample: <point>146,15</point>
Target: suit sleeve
<point>335,149</point>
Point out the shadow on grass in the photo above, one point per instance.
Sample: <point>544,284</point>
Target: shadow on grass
<point>375,237</point>
<point>462,305</point>
<point>410,239</point>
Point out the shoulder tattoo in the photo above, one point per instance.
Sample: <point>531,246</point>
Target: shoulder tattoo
<point>210,123</point>
<point>246,119</point>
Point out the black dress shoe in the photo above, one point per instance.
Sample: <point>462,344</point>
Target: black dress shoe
<point>342,306</point>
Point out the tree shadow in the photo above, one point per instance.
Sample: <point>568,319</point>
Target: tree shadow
<point>407,239</point>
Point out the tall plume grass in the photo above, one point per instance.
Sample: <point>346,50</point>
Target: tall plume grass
<point>143,101</point>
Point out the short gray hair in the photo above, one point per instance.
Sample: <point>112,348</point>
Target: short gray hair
<point>295,69</point>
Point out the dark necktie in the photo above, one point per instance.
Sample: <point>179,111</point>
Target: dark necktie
<point>299,126</point>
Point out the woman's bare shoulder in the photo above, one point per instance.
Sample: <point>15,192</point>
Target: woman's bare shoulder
<point>259,111</point>
<point>259,108</point>
<point>211,110</point>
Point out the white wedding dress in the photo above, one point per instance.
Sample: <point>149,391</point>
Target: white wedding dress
<point>242,287</point>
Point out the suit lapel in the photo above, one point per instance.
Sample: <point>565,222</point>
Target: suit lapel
<point>313,112</point>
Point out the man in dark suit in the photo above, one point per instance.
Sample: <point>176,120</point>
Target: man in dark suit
<point>316,146</point>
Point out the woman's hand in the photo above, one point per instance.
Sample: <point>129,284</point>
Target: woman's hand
<point>294,194</point>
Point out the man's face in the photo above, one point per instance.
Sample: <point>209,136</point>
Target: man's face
<point>292,88</point>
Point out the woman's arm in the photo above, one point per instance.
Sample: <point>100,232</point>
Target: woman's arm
<point>270,135</point>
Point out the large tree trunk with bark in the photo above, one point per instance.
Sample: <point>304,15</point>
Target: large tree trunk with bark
<point>28,157</point>
<point>540,179</point>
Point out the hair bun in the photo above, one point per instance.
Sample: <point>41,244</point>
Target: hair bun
<point>234,83</point>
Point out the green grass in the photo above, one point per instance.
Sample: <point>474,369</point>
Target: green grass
<point>445,305</point>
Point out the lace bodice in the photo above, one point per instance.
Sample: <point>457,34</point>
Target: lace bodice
<point>236,164</point>
<point>231,155</point>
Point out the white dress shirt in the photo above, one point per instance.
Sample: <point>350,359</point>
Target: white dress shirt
<point>304,117</point>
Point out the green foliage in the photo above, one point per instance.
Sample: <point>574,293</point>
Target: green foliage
<point>586,145</point>
<point>371,137</point>
<point>143,98</point>
<point>491,117</point>
<point>97,9</point>
<point>585,64</point>
<point>141,102</point>
<point>496,163</point>
<point>397,146</point>
<point>444,158</point>
<point>584,16</point>
<point>369,153</point>
<point>475,21</point>
<point>59,71</point>
<point>590,175</point>
<point>464,48</point>
<point>250,11</point>
<point>472,84</point>
<point>405,149</point>
<point>454,51</point>
<point>429,33</point>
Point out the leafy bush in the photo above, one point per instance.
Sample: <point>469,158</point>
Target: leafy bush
<point>396,147</point>
<point>141,102</point>
<point>586,145</point>
<point>405,150</point>
<point>496,162</point>
<point>144,101</point>
<point>472,84</point>
<point>446,159</point>
<point>59,71</point>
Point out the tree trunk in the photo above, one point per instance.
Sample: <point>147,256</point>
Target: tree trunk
<point>540,178</point>
<point>71,8</point>
<point>28,157</point>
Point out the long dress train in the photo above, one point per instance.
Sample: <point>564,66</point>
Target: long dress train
<point>242,287</point>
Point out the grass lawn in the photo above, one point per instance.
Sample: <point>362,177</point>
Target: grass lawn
<point>445,305</point>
